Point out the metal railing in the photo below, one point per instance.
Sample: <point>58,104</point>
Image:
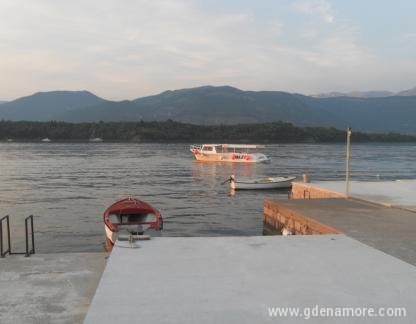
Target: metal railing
<point>29,251</point>
<point>32,250</point>
<point>4,253</point>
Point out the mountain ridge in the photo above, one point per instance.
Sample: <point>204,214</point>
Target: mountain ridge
<point>43,105</point>
<point>226,105</point>
<point>366,94</point>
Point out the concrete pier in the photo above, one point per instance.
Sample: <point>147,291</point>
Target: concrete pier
<point>48,288</point>
<point>391,230</point>
<point>237,279</point>
<point>277,217</point>
<point>310,191</point>
<point>399,193</point>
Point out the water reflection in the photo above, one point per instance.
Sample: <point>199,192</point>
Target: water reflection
<point>216,169</point>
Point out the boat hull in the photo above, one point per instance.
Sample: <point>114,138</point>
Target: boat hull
<point>131,217</point>
<point>262,184</point>
<point>232,157</point>
<point>113,236</point>
<point>234,153</point>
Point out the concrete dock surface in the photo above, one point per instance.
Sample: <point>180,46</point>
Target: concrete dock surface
<point>48,288</point>
<point>399,192</point>
<point>391,230</point>
<point>237,279</point>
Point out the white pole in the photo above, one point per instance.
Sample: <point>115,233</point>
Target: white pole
<point>347,164</point>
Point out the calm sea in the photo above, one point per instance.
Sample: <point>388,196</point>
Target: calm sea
<point>68,186</point>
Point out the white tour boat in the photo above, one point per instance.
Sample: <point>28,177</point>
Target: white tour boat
<point>261,183</point>
<point>228,153</point>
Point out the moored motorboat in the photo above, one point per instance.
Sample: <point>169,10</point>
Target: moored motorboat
<point>261,183</point>
<point>132,217</point>
<point>242,153</point>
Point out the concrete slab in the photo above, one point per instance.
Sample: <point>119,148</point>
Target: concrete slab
<point>236,279</point>
<point>399,192</point>
<point>48,288</point>
<point>390,230</point>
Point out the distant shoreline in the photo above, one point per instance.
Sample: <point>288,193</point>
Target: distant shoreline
<point>175,132</point>
<point>35,141</point>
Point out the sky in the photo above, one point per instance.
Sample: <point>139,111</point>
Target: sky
<point>125,49</point>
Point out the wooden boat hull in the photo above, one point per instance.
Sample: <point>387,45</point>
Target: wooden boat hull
<point>131,216</point>
<point>113,236</point>
<point>262,184</point>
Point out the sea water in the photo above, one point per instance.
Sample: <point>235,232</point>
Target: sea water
<point>67,186</point>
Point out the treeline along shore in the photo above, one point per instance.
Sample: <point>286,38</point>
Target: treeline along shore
<point>171,131</point>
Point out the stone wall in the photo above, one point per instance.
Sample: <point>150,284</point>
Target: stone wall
<point>280,218</point>
<point>308,191</point>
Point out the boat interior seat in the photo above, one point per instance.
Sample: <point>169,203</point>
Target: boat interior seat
<point>114,219</point>
<point>138,217</point>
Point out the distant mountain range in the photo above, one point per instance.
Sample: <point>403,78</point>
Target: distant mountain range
<point>367,94</point>
<point>44,106</point>
<point>364,111</point>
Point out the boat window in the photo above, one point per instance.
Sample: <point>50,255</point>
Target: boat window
<point>114,219</point>
<point>207,148</point>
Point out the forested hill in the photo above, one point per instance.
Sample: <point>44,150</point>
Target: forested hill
<point>171,131</point>
<point>43,106</point>
<point>223,105</point>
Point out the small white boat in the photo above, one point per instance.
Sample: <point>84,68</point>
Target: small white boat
<point>261,183</point>
<point>46,140</point>
<point>241,153</point>
<point>96,140</point>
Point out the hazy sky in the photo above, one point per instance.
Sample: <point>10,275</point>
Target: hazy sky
<point>124,49</point>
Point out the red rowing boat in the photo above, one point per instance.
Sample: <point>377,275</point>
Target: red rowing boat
<point>133,216</point>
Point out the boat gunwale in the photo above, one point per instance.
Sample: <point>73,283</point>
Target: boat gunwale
<point>157,224</point>
<point>258,181</point>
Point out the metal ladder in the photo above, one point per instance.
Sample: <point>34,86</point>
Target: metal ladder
<point>28,220</point>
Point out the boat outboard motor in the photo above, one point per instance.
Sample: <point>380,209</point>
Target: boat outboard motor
<point>230,179</point>
<point>232,182</point>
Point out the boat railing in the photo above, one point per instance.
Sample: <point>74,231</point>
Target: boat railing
<point>194,147</point>
<point>31,242</point>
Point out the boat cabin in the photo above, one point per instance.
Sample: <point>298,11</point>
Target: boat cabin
<point>210,148</point>
<point>227,148</point>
